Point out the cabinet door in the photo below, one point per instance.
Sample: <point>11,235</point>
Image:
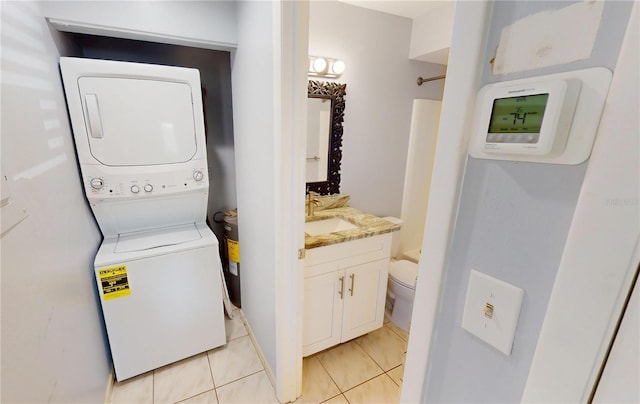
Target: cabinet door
<point>365,291</point>
<point>322,311</point>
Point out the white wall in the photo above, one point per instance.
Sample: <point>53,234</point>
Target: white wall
<point>431,34</point>
<point>381,86</point>
<point>211,23</point>
<point>255,144</point>
<point>53,344</point>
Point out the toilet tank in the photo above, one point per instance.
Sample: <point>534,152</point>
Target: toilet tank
<point>411,255</point>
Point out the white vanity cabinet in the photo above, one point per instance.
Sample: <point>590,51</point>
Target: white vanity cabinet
<point>345,289</point>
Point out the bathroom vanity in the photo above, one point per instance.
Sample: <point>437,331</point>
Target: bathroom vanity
<point>346,272</point>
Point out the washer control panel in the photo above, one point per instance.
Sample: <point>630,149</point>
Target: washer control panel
<point>103,185</point>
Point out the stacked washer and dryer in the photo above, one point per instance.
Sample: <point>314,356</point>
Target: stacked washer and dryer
<point>140,141</point>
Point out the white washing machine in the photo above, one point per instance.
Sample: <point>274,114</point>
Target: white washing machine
<point>140,140</point>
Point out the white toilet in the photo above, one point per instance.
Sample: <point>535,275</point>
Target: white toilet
<point>403,272</point>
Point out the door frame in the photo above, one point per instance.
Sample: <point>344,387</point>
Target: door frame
<point>463,78</point>
<point>292,44</point>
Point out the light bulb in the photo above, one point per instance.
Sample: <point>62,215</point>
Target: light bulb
<point>319,65</point>
<point>338,67</point>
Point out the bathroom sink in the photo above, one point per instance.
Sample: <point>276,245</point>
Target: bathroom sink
<point>327,226</point>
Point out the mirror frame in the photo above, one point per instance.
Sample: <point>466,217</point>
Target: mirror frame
<point>335,92</point>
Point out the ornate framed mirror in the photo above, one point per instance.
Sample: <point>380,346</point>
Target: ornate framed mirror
<point>324,136</point>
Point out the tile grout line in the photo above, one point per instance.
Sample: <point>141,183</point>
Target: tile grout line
<point>330,377</point>
<point>206,353</point>
<point>195,395</point>
<point>396,333</point>
<point>403,362</point>
<point>381,368</point>
<point>213,380</point>
<point>339,394</point>
<point>365,381</point>
<point>243,377</point>
<point>153,386</point>
<point>215,387</point>
<point>263,360</point>
<point>369,355</point>
<point>392,379</point>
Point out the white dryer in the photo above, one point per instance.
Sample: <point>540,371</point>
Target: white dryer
<point>140,141</point>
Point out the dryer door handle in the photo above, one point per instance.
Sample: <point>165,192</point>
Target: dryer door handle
<point>93,115</point>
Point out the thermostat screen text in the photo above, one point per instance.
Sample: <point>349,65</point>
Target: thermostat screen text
<point>518,114</point>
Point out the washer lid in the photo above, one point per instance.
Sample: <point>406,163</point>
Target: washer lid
<point>405,272</point>
<point>149,239</point>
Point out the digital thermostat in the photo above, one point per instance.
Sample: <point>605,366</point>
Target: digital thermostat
<point>540,119</point>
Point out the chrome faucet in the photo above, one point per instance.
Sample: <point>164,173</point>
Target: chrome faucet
<point>312,201</point>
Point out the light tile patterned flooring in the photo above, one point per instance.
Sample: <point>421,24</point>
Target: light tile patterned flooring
<point>367,369</point>
<point>229,374</point>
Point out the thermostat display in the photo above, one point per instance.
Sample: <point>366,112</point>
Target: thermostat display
<point>517,119</point>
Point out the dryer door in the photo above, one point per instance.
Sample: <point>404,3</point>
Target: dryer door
<point>133,122</point>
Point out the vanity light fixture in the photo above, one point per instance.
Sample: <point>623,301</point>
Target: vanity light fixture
<point>320,66</point>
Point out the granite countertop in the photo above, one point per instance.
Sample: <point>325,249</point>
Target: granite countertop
<point>368,226</point>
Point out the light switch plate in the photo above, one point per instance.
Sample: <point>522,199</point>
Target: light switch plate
<point>491,310</point>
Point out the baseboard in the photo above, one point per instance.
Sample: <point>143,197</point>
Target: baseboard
<point>110,383</point>
<point>256,345</point>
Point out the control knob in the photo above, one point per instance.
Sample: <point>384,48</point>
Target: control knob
<point>96,183</point>
<point>198,175</point>
<point>148,188</point>
<point>135,189</point>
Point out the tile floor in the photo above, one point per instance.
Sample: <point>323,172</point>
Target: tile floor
<point>229,374</point>
<point>367,369</point>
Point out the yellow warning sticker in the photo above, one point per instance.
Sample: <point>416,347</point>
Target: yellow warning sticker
<point>114,281</point>
<point>234,250</point>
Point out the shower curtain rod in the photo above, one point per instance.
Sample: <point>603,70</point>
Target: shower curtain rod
<point>421,80</point>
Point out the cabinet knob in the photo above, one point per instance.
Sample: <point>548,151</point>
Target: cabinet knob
<point>341,292</point>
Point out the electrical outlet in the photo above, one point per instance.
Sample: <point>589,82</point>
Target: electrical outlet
<point>491,310</point>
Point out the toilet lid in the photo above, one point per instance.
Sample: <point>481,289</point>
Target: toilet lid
<point>404,272</point>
